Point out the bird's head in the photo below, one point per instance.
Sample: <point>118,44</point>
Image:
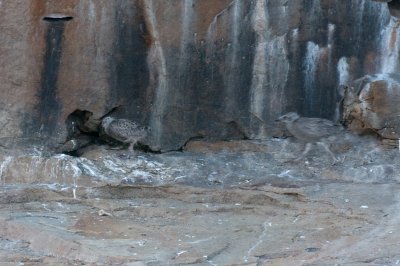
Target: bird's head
<point>288,118</point>
<point>107,121</point>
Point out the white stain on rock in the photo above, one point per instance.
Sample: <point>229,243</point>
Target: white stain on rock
<point>343,71</point>
<point>390,47</point>
<point>270,67</point>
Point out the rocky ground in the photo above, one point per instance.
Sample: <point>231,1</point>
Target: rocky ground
<point>223,203</point>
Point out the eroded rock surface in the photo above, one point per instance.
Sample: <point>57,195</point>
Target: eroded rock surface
<point>198,69</point>
<point>214,69</point>
<point>371,105</point>
<point>219,203</point>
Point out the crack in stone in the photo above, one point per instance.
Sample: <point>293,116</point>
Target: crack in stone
<point>260,240</point>
<point>216,253</point>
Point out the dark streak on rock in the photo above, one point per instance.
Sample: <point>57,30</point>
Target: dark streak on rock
<point>130,73</point>
<point>48,107</point>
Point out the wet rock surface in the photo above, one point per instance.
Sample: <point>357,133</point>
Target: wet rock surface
<point>214,69</point>
<point>247,205</point>
<point>204,69</point>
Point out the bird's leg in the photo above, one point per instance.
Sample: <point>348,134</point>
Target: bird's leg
<point>131,151</point>
<point>305,152</point>
<point>326,147</point>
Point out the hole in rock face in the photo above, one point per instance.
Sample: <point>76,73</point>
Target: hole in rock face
<point>77,123</point>
<point>82,131</point>
<point>57,17</point>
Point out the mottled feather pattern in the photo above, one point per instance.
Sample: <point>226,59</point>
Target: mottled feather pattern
<point>125,130</point>
<point>316,126</point>
<point>309,129</point>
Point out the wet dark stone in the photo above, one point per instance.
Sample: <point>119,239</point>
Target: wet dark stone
<point>129,70</point>
<point>49,106</point>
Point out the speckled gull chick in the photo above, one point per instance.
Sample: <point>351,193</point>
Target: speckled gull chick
<point>123,130</point>
<point>310,130</point>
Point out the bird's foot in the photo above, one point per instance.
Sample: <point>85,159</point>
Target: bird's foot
<point>338,160</point>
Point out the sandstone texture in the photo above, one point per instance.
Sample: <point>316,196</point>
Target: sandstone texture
<point>371,105</point>
<point>210,185</point>
<point>243,206</point>
<point>192,69</point>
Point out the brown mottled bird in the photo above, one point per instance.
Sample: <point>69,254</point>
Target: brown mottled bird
<point>310,130</point>
<point>124,130</point>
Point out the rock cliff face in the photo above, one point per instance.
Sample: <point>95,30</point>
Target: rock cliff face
<point>217,69</point>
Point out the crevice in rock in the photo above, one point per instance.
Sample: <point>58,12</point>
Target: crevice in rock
<point>82,131</point>
<point>57,17</point>
<point>194,138</point>
<point>76,123</point>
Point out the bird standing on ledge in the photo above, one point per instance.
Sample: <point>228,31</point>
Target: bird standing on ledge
<point>310,130</point>
<point>124,130</point>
